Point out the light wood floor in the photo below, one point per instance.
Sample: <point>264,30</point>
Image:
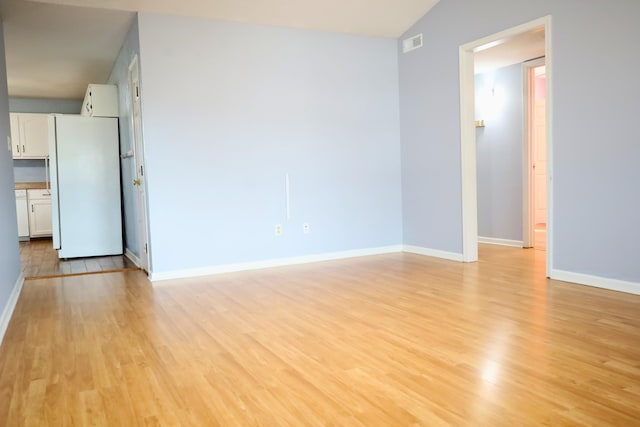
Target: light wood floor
<point>389,340</point>
<point>39,259</point>
<point>540,237</point>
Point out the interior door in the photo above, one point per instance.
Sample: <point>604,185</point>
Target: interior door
<point>540,163</point>
<point>139,182</point>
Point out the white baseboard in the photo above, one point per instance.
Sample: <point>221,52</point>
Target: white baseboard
<point>432,252</point>
<point>5,318</point>
<point>501,242</point>
<point>596,281</point>
<point>281,262</point>
<point>134,259</point>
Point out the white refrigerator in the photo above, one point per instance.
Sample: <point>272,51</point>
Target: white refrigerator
<point>85,186</point>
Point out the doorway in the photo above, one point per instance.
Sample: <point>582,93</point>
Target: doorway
<point>535,175</point>
<point>468,136</point>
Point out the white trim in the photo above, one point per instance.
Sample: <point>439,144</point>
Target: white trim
<point>281,262</point>
<point>501,242</point>
<point>5,318</point>
<point>549,139</point>
<point>132,257</point>
<point>596,281</point>
<point>452,256</point>
<point>468,139</point>
<point>468,162</point>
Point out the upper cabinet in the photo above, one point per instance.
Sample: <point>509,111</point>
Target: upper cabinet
<point>29,135</point>
<point>100,101</point>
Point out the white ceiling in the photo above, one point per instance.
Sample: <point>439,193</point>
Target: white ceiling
<point>54,51</point>
<point>54,48</point>
<point>516,50</point>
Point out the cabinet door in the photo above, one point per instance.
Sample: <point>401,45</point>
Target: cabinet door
<point>100,101</point>
<point>34,135</point>
<point>23,216</point>
<point>16,147</point>
<point>40,218</point>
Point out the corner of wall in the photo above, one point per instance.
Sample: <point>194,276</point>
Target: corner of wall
<point>7,312</point>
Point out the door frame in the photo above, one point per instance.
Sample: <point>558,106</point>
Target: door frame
<point>468,137</point>
<point>528,178</point>
<point>139,167</point>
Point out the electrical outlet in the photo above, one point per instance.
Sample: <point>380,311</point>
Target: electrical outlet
<point>278,229</point>
<point>305,228</point>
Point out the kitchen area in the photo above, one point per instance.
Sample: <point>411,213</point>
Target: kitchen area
<point>29,137</point>
<point>67,184</point>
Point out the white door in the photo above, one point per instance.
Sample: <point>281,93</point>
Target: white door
<point>139,182</point>
<point>540,163</point>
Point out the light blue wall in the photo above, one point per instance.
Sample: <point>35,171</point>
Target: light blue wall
<point>29,170</point>
<point>9,252</point>
<point>595,111</point>
<point>499,153</point>
<point>229,109</point>
<point>33,105</point>
<point>34,170</point>
<point>120,76</point>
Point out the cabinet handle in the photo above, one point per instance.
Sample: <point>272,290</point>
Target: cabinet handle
<point>32,208</point>
<point>18,148</point>
<point>23,150</point>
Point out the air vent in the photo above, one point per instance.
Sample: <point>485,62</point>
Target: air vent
<point>412,43</point>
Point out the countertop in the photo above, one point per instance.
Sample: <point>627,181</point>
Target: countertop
<point>31,185</point>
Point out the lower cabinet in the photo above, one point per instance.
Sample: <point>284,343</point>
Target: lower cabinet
<point>22,209</point>
<point>39,213</point>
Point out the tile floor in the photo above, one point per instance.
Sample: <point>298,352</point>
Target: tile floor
<point>39,259</point>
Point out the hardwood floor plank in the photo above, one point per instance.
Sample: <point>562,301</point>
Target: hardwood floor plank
<point>396,339</point>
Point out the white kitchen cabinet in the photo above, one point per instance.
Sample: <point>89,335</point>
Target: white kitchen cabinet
<point>40,224</point>
<point>14,128</point>
<point>29,135</point>
<point>22,209</point>
<point>100,101</point>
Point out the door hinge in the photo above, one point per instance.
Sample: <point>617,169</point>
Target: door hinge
<point>146,249</point>
<point>141,170</point>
